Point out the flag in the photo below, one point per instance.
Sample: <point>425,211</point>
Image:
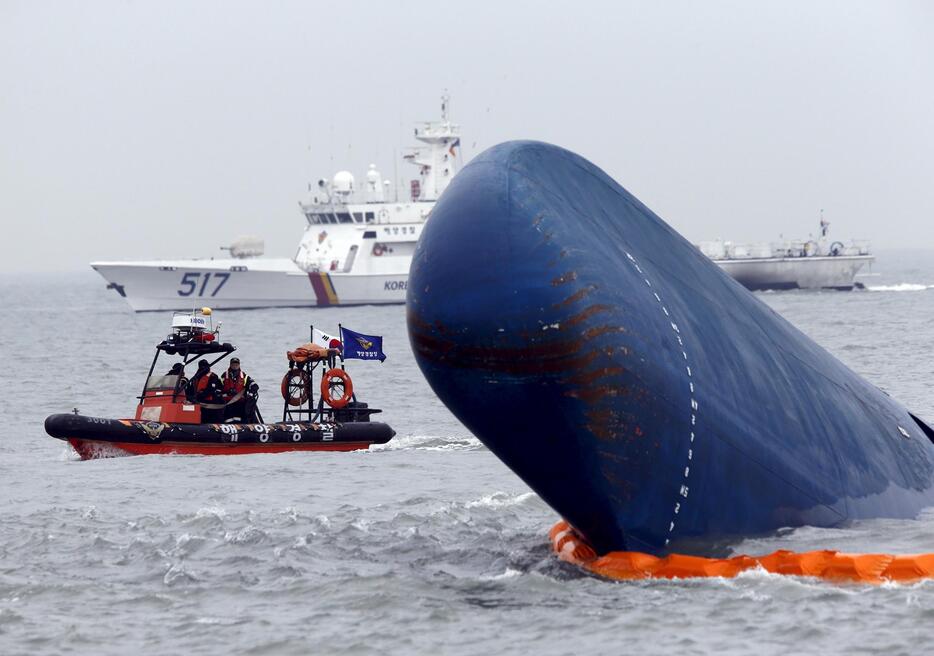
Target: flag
<point>457,142</point>
<point>362,347</point>
<point>324,339</point>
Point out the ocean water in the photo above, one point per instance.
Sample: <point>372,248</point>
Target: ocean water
<point>426,545</point>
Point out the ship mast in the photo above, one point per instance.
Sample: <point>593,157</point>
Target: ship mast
<point>438,160</point>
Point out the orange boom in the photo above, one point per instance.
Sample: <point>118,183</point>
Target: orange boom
<point>829,565</point>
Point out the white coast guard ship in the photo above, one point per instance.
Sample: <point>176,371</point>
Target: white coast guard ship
<point>804,264</point>
<point>356,248</point>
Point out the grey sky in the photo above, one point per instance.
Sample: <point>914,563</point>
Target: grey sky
<point>133,130</point>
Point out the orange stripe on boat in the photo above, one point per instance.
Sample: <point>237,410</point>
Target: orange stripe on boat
<point>830,565</point>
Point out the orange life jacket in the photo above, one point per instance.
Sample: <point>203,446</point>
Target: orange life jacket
<point>233,384</point>
<point>204,381</point>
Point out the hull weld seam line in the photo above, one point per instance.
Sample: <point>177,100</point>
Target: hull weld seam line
<point>685,489</point>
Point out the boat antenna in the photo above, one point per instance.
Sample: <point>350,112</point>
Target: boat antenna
<point>395,173</point>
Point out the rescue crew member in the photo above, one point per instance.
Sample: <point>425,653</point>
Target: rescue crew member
<point>235,383</point>
<point>206,385</point>
<point>178,370</point>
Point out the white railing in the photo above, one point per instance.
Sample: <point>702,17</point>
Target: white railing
<point>824,247</point>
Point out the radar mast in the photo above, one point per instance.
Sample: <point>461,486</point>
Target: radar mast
<point>438,160</point>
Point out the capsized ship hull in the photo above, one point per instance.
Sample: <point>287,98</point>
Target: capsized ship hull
<point>650,399</point>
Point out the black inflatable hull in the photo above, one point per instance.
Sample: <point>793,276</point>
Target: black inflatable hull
<point>96,437</point>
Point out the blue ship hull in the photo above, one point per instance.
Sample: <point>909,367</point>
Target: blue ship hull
<point>646,396</point>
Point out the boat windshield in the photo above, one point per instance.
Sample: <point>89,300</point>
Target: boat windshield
<point>161,382</point>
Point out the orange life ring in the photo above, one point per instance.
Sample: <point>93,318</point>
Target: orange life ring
<point>377,249</point>
<point>328,381</point>
<point>294,387</point>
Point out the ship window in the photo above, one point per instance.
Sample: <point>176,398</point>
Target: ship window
<point>312,218</point>
<point>369,234</point>
<point>344,217</point>
<point>358,217</point>
<point>370,217</point>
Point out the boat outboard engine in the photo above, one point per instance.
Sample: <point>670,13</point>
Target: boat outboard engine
<point>353,411</point>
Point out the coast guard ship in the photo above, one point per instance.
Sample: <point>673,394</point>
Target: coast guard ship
<point>356,248</point>
<point>812,264</point>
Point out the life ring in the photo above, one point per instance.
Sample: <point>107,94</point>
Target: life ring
<point>330,379</point>
<point>294,387</point>
<point>378,249</point>
<point>837,248</point>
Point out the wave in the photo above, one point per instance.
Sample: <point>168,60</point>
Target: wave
<point>900,287</point>
<point>429,443</point>
<point>510,573</point>
<point>501,500</point>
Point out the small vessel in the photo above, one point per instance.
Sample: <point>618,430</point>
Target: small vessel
<point>177,415</point>
<point>820,263</point>
<point>356,248</point>
<point>651,400</point>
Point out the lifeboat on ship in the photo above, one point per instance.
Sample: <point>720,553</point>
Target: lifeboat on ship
<point>174,417</point>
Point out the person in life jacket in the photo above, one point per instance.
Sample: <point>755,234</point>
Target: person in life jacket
<point>205,386</point>
<point>181,382</point>
<point>235,385</point>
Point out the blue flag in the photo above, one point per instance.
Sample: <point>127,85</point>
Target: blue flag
<point>362,347</point>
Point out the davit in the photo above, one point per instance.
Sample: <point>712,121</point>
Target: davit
<point>647,397</point>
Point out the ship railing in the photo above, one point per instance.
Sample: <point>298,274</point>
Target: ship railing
<point>728,250</point>
<point>859,247</point>
<point>795,248</point>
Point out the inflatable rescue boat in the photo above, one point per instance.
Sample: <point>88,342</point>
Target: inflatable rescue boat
<point>178,415</point>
